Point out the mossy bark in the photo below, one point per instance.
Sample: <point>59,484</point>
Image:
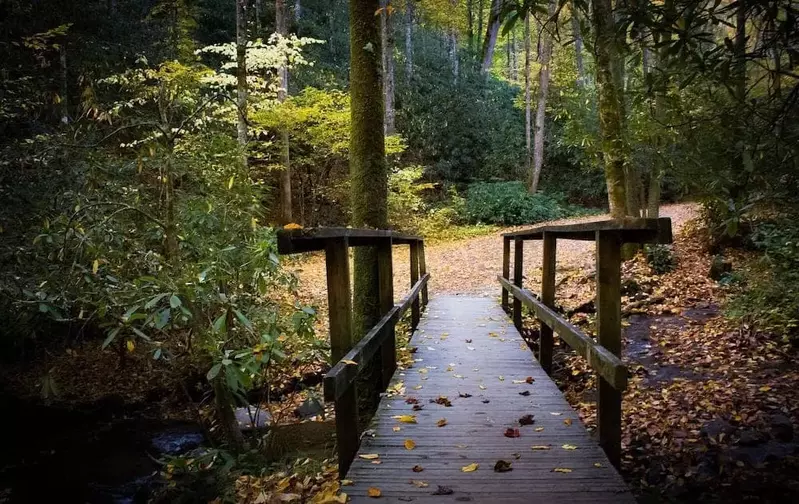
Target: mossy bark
<point>611,105</point>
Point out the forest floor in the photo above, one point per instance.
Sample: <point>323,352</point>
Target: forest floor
<point>712,405</point>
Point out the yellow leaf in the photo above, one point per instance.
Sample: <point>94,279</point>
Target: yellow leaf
<point>95,266</point>
<point>346,482</point>
<point>562,470</point>
<point>539,429</point>
<point>569,447</point>
<point>131,346</point>
<point>369,456</point>
<point>419,484</point>
<point>405,418</point>
<point>540,447</point>
<point>441,423</point>
<point>417,387</point>
<point>292,225</point>
<point>410,444</point>
<point>374,492</point>
<point>764,388</point>
<point>349,362</point>
<point>397,428</point>
<point>597,464</point>
<point>230,182</point>
<point>470,467</point>
<point>568,421</point>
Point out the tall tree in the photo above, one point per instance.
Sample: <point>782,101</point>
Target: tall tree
<point>387,34</point>
<point>492,31</point>
<point>409,15</point>
<point>528,124</point>
<point>544,57</point>
<point>608,61</point>
<point>578,48</point>
<point>241,74</point>
<point>368,172</point>
<point>281,25</point>
<point>452,37</point>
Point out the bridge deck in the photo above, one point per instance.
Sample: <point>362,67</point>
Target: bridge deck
<point>468,346</point>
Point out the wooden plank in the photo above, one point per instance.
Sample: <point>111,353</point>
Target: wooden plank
<point>423,271</point>
<point>414,261</point>
<point>347,437</point>
<point>608,322</point>
<point>548,298</point>
<point>505,270</point>
<point>518,275</point>
<point>407,301</point>
<point>388,349</point>
<point>603,361</point>
<point>294,241</point>
<point>474,433</point>
<point>339,297</point>
<point>631,230</point>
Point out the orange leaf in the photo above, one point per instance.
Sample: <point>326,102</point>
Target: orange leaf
<point>410,444</point>
<point>374,492</point>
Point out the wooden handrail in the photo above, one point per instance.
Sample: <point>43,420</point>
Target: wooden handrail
<point>377,349</point>
<point>607,365</point>
<point>604,355</point>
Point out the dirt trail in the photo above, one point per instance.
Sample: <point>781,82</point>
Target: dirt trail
<point>471,266</point>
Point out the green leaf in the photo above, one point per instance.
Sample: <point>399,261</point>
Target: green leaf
<point>213,372</point>
<point>220,324</point>
<point>162,318</point>
<point>174,301</point>
<point>129,313</point>
<point>141,334</point>
<point>244,320</point>
<point>154,301</point>
<point>157,354</point>
<point>110,337</point>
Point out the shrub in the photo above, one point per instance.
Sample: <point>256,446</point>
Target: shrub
<point>660,258</point>
<point>509,204</point>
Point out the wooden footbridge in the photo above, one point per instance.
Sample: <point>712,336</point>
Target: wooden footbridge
<point>476,418</point>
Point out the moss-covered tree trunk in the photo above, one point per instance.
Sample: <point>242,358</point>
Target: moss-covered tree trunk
<point>608,61</point>
<point>241,74</point>
<point>281,25</point>
<point>368,174</point>
<point>387,30</point>
<point>545,39</point>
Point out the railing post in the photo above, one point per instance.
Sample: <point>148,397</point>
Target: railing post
<point>505,269</point>
<point>518,268</point>
<point>339,301</point>
<point>546,342</point>
<point>422,272</point>
<point>608,326</point>
<point>386,281</point>
<point>415,313</point>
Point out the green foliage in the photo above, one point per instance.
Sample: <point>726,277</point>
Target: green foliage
<point>770,293</point>
<point>660,258</point>
<point>509,204</point>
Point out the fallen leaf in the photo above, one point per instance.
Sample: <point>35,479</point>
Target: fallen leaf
<point>597,464</point>
<point>405,418</point>
<point>482,387</point>
<point>764,388</point>
<point>417,407</point>
<point>461,446</point>
<point>518,382</point>
<point>502,466</point>
<point>485,401</point>
<point>377,462</point>
<point>420,484</point>
<point>501,378</point>
<point>540,447</point>
<point>458,376</point>
<point>554,413</point>
<point>562,470</point>
<point>512,433</point>
<point>470,467</point>
<point>346,482</point>
<point>530,379</point>
<point>568,421</point>
<point>396,428</point>
<point>517,456</point>
<point>369,456</point>
<point>441,423</point>
<point>468,341</point>
<point>569,447</point>
<point>418,387</point>
<point>411,400</point>
<point>525,393</point>
<point>539,429</point>
<point>349,362</point>
<point>443,490</point>
<point>442,400</point>
<point>410,444</point>
<point>470,348</point>
<point>526,420</point>
<point>463,395</point>
<point>374,492</point>
<point>417,469</point>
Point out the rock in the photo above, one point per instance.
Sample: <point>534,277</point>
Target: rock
<point>751,437</point>
<point>245,417</point>
<point>781,428</point>
<point>174,441</point>
<point>719,267</point>
<point>716,427</point>
<point>309,408</point>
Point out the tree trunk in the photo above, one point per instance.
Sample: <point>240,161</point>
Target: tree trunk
<point>470,20</point>
<point>64,83</point>
<point>226,418</point>
<point>608,62</point>
<point>281,26</point>
<point>258,13</point>
<point>480,8</point>
<point>409,15</point>
<point>453,47</point>
<point>528,122</point>
<point>578,49</point>
<point>492,30</point>
<point>387,32</point>
<point>368,173</point>
<point>241,75</point>
<point>297,11</point>
<point>543,92</point>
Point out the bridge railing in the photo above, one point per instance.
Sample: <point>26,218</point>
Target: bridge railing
<point>603,355</point>
<point>376,351</point>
